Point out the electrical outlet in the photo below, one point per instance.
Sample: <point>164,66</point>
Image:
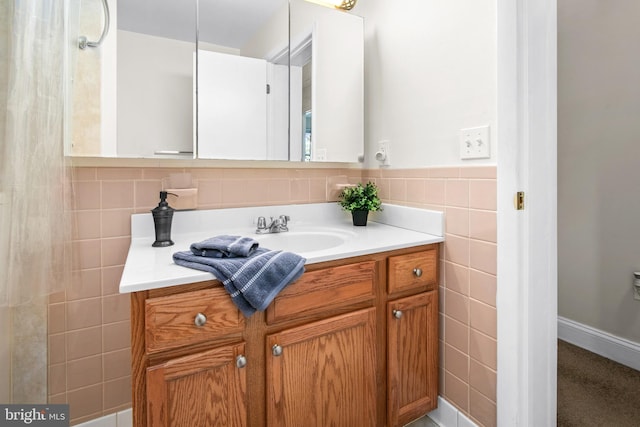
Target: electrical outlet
<point>383,155</point>
<point>321,155</point>
<point>474,143</point>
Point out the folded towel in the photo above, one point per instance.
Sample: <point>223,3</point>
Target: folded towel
<point>253,282</point>
<point>225,247</point>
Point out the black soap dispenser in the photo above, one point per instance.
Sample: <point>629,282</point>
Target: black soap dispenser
<point>162,217</point>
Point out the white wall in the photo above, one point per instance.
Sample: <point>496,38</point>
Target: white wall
<point>598,178</point>
<point>272,38</point>
<point>155,94</point>
<point>430,70</point>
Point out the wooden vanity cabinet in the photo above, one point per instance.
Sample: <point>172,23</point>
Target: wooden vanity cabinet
<point>330,349</point>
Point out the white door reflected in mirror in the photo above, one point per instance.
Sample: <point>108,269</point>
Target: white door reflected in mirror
<point>327,83</point>
<point>232,107</point>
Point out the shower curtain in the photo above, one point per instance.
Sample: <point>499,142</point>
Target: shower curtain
<point>34,230</point>
<point>33,225</point>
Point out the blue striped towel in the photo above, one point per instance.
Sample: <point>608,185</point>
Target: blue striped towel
<point>254,281</point>
<point>225,247</point>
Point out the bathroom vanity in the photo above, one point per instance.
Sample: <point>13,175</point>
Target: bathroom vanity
<point>354,341</point>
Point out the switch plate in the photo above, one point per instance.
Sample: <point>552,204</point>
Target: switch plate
<point>474,143</point>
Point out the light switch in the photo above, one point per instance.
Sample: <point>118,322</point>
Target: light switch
<point>474,143</point>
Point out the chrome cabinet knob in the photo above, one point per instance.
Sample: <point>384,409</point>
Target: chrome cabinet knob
<point>200,320</point>
<point>417,272</point>
<point>397,314</point>
<point>241,361</point>
<point>276,350</point>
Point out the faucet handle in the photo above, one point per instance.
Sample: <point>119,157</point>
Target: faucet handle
<point>262,223</point>
<point>284,219</point>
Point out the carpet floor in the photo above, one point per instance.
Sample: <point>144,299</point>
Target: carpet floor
<point>595,391</point>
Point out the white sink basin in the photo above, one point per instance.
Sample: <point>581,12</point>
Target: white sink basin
<point>303,241</point>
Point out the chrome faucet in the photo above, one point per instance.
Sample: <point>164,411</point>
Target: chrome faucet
<point>278,225</point>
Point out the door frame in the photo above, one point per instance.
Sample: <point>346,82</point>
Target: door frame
<point>527,239</point>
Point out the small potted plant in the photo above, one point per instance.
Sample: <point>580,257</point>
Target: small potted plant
<point>359,200</point>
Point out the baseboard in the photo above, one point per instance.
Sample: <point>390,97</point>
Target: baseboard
<point>606,345</point>
<point>118,419</point>
<point>447,415</point>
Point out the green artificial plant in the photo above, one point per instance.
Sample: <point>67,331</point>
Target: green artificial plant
<point>360,198</point>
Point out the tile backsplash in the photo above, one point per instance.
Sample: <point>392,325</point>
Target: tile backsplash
<point>89,362</point>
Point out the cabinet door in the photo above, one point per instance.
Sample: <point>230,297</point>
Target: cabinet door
<point>323,374</point>
<point>412,357</point>
<point>200,390</point>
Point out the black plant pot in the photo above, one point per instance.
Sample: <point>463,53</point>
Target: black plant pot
<point>359,217</point>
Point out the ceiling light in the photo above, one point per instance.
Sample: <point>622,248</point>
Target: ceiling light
<point>338,4</point>
<point>346,4</point>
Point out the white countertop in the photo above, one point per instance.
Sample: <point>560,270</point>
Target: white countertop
<point>396,227</point>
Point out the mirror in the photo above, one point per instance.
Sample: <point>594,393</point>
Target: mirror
<point>248,42</point>
<point>327,85</point>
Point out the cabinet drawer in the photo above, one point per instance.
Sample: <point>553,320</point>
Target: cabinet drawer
<point>413,271</point>
<point>324,290</point>
<point>170,321</point>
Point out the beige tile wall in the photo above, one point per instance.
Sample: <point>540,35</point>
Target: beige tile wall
<point>89,322</point>
<point>468,276</point>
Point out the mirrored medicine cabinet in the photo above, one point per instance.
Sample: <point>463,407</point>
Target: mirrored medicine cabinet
<point>240,80</point>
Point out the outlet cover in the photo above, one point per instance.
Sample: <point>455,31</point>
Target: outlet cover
<point>475,143</point>
<point>383,155</point>
<point>321,155</point>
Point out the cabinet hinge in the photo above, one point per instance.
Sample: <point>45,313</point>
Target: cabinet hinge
<point>519,200</point>
<point>268,88</point>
